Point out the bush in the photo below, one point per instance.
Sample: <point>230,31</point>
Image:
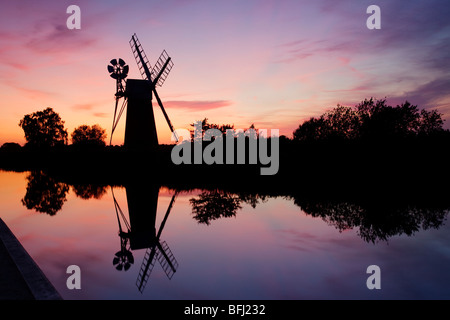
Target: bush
<point>89,136</point>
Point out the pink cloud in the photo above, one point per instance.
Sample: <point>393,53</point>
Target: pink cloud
<point>34,94</point>
<point>101,115</point>
<point>198,105</point>
<point>85,106</point>
<point>7,36</point>
<point>18,65</point>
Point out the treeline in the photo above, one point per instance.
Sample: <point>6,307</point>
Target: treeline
<point>370,142</point>
<point>369,121</point>
<point>45,129</point>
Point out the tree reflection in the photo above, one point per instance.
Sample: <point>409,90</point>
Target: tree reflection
<point>89,191</point>
<point>44,194</point>
<point>376,218</point>
<point>252,199</point>
<point>215,204</point>
<point>377,221</point>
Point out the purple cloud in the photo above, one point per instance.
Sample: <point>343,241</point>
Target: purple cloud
<point>429,95</point>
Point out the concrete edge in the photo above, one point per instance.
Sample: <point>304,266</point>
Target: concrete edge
<point>37,282</point>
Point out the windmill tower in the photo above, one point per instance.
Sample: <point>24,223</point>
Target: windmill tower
<point>140,127</point>
<point>141,233</point>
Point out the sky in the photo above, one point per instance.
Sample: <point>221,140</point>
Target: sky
<point>273,64</point>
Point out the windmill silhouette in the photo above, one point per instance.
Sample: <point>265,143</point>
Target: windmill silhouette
<point>158,251</point>
<point>140,128</point>
<point>123,259</point>
<point>141,233</point>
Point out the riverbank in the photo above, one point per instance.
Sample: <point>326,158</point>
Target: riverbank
<point>21,278</point>
<point>403,168</point>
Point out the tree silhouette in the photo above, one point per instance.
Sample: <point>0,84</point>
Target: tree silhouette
<point>252,199</point>
<point>215,204</point>
<point>10,146</point>
<point>89,191</point>
<point>371,120</point>
<point>339,123</point>
<point>430,122</point>
<point>388,122</point>
<point>44,194</point>
<point>44,129</point>
<point>89,136</point>
<point>376,221</point>
<point>315,129</point>
<point>206,126</point>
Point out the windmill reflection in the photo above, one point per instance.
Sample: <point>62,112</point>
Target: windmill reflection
<point>139,232</point>
<point>123,258</point>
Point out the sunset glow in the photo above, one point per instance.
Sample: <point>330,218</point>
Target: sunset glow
<point>271,63</point>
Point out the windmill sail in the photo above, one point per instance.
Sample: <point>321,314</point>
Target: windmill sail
<point>167,260</point>
<point>146,268</point>
<point>162,69</point>
<point>141,58</point>
<point>165,114</point>
<point>156,76</point>
<point>158,251</point>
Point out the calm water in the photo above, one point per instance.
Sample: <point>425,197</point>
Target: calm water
<point>221,245</point>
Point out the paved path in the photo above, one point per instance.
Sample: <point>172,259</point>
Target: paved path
<point>20,277</point>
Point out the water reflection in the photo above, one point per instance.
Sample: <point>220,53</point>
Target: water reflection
<point>123,258</point>
<point>215,204</point>
<point>89,191</point>
<point>138,246</point>
<point>140,233</point>
<point>377,221</point>
<point>44,194</point>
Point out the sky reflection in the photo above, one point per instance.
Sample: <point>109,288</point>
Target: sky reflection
<point>272,251</point>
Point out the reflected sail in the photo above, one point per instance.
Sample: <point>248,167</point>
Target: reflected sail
<point>159,251</point>
<point>141,233</point>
